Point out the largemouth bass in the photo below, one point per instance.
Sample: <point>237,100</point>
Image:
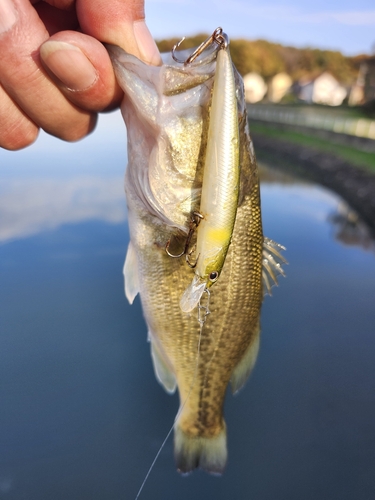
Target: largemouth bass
<point>166,110</point>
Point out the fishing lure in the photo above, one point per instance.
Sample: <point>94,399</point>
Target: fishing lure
<point>221,177</point>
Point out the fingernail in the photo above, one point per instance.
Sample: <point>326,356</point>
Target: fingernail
<point>146,44</point>
<point>8,15</point>
<point>69,64</point>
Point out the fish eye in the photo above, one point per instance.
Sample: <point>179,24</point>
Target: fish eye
<point>213,276</point>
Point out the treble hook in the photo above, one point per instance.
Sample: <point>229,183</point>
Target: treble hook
<point>187,258</point>
<point>216,37</point>
<point>194,223</point>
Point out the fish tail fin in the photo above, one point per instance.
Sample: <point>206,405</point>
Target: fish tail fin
<point>207,453</point>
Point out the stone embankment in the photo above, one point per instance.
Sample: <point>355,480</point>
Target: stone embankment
<point>355,185</point>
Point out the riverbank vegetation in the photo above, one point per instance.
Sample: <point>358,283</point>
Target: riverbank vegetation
<point>349,153</point>
<point>268,59</point>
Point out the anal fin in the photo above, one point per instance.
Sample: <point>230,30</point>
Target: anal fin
<point>163,372</point>
<point>243,369</point>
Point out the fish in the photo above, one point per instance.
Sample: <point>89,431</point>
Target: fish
<point>167,111</point>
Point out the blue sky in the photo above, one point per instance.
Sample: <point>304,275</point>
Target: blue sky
<point>338,25</point>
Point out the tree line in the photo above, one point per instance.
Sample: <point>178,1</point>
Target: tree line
<point>268,59</point>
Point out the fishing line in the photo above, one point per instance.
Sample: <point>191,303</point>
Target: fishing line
<point>201,323</point>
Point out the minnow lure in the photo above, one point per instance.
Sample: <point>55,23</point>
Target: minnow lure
<point>221,178</point>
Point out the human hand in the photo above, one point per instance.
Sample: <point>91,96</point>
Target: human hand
<point>53,76</point>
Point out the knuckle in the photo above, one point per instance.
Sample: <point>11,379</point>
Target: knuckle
<point>79,130</point>
<point>17,130</point>
<point>19,136</point>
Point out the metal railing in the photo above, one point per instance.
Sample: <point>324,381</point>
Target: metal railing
<point>359,127</point>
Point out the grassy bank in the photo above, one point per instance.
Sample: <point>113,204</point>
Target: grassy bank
<point>352,155</point>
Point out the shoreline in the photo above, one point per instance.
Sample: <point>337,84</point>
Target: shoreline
<point>355,185</point>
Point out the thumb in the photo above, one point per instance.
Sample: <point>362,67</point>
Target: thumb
<point>119,22</point>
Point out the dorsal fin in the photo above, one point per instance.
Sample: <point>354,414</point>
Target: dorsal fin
<point>272,264</point>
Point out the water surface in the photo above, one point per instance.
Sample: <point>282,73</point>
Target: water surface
<point>81,413</point>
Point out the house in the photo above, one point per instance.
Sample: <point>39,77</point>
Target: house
<point>324,89</point>
<point>356,95</point>
<point>255,87</point>
<point>279,86</point>
<point>369,79</point>
<point>357,91</point>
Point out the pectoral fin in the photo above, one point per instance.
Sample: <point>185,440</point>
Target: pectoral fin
<point>163,372</point>
<point>243,369</point>
<point>131,274</point>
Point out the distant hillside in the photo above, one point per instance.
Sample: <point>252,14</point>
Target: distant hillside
<point>268,59</point>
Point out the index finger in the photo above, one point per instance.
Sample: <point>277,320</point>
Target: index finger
<point>24,79</point>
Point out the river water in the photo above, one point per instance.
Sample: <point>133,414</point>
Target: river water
<point>81,414</point>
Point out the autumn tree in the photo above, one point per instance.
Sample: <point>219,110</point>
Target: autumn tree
<point>268,59</point>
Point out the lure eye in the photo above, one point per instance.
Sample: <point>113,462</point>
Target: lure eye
<point>214,276</point>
